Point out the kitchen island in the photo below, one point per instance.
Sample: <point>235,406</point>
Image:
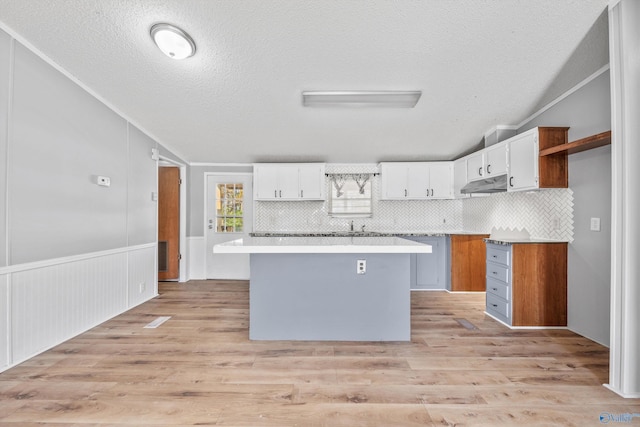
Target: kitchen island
<point>316,288</point>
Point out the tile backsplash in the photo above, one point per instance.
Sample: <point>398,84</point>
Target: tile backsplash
<point>545,214</point>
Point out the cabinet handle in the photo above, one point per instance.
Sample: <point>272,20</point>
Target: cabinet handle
<point>301,193</point>
<point>280,192</point>
<point>511,182</point>
<point>488,168</point>
<point>495,289</point>
<point>405,192</point>
<point>432,192</point>
<point>480,171</point>
<point>494,256</point>
<point>495,273</point>
<point>494,305</point>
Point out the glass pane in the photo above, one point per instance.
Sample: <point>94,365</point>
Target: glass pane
<point>229,208</point>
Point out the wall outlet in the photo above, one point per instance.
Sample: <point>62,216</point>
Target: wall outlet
<point>595,224</point>
<point>142,287</point>
<point>361,266</point>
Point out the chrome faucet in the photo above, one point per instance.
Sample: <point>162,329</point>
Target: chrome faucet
<point>362,228</point>
<point>351,225</point>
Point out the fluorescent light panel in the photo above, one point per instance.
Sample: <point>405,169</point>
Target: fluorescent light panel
<point>390,99</point>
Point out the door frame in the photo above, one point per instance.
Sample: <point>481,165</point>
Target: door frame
<point>163,161</point>
<point>204,207</point>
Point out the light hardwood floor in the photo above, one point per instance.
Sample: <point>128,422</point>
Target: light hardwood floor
<point>200,368</point>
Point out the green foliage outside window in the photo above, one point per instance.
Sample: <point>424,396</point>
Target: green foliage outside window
<point>229,208</point>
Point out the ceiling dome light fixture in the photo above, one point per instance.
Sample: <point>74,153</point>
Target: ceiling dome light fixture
<point>173,41</point>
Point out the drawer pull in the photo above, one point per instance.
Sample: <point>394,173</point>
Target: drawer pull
<point>494,305</point>
<point>495,273</point>
<point>494,256</point>
<point>495,289</point>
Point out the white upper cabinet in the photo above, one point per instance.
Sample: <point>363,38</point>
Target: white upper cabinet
<point>523,162</point>
<point>486,163</point>
<point>394,179</point>
<point>475,166</point>
<point>441,180</point>
<point>416,180</point>
<point>288,181</point>
<point>311,182</point>
<point>495,160</point>
<point>459,178</point>
<point>528,169</point>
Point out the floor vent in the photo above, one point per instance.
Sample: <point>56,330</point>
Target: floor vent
<point>159,321</point>
<point>466,324</point>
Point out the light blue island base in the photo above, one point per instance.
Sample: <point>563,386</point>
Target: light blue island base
<point>320,297</point>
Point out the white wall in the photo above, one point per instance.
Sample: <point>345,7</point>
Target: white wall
<point>5,64</point>
<point>624,25</point>
<point>72,254</point>
<point>589,266</point>
<point>587,111</point>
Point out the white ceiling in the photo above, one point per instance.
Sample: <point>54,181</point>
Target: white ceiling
<point>478,63</point>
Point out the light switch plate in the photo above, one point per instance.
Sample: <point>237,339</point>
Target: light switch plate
<point>595,224</point>
<point>104,181</point>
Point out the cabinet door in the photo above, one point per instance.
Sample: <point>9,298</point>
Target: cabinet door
<point>441,180</point>
<point>523,162</point>
<point>311,182</point>
<point>468,262</point>
<point>394,181</point>
<point>265,183</point>
<point>431,268</point>
<point>459,178</point>
<point>496,160</point>
<point>288,182</point>
<point>475,166</point>
<point>418,181</point>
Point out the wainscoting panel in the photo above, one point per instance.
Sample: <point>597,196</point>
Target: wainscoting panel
<point>53,304</point>
<point>4,319</point>
<point>196,257</point>
<point>143,284</point>
<point>47,304</point>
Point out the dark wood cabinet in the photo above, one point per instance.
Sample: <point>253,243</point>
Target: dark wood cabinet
<point>527,283</point>
<point>468,267</point>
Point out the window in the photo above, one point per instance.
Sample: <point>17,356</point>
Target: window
<point>350,195</point>
<point>229,204</point>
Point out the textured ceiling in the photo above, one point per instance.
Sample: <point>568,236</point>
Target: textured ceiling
<point>238,100</point>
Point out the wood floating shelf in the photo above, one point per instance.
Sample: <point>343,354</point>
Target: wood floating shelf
<point>593,141</point>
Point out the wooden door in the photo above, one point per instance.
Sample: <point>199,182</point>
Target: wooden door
<point>168,223</point>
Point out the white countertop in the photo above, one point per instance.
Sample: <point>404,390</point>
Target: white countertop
<point>274,245</point>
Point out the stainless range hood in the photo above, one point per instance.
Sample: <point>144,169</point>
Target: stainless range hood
<point>497,184</point>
